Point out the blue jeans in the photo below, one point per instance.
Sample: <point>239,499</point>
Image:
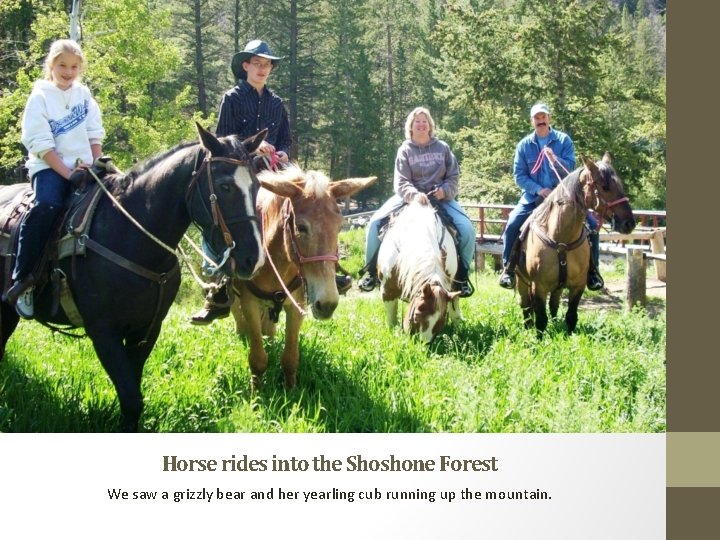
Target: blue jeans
<point>464,226</point>
<point>51,190</point>
<point>519,216</point>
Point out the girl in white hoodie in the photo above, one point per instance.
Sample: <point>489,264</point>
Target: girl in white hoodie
<point>62,131</point>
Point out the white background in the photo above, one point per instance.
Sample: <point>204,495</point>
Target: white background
<point>602,487</point>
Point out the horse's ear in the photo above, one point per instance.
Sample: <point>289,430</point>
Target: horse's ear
<point>346,188</point>
<point>590,165</point>
<point>253,143</point>
<point>284,188</point>
<point>209,141</point>
<point>607,158</point>
<point>453,295</point>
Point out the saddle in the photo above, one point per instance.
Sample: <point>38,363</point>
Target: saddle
<point>66,240</point>
<point>445,219</point>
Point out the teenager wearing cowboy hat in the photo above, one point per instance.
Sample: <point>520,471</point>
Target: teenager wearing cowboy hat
<point>245,110</point>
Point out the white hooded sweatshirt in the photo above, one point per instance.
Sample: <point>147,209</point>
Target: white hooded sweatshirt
<point>68,121</point>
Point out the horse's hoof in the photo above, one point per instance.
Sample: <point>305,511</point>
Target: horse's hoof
<point>290,381</point>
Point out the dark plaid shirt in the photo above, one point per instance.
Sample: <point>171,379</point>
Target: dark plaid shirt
<point>244,112</point>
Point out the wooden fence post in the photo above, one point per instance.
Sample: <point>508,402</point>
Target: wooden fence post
<point>635,277</point>
<point>479,261</point>
<point>657,245</point>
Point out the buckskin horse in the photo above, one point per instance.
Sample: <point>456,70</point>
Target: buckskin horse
<point>301,222</point>
<point>556,249</point>
<point>416,263</point>
<point>129,275</point>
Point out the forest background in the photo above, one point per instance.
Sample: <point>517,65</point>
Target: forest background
<point>354,69</point>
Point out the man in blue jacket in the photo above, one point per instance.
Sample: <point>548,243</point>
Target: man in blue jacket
<point>542,158</point>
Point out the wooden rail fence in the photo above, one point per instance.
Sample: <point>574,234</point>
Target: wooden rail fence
<point>646,242</point>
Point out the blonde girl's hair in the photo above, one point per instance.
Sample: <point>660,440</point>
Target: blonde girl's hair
<point>411,118</point>
<point>59,47</point>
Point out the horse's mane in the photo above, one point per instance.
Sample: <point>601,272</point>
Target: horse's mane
<point>570,190</point>
<point>313,183</point>
<point>141,168</point>
<point>419,259</point>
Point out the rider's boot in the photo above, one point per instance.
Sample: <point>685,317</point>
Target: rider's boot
<point>507,278</point>
<point>217,304</point>
<point>343,280</point>
<point>461,282</point>
<point>595,281</point>
<point>371,280</point>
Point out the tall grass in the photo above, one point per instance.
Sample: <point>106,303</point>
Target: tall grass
<point>486,374</point>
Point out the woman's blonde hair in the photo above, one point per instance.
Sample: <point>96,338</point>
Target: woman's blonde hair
<point>411,118</point>
<point>59,47</point>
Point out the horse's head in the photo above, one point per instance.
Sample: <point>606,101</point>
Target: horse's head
<point>222,202</point>
<point>604,193</point>
<point>311,221</point>
<point>428,311</point>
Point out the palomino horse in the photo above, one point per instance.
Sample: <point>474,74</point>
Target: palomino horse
<point>301,221</point>
<point>557,252</point>
<point>416,263</point>
<point>125,284</point>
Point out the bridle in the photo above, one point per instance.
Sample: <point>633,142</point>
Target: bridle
<point>288,216</point>
<point>602,205</point>
<point>215,211</point>
<point>288,226</point>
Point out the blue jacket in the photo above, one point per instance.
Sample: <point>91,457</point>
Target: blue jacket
<point>526,156</point>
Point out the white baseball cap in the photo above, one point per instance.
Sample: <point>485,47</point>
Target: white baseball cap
<point>539,108</point>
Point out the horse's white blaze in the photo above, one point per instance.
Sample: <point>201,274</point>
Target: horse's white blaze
<point>429,325</point>
<point>322,290</point>
<point>243,181</point>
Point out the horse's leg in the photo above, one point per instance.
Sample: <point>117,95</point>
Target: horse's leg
<point>555,302</point>
<point>571,317</point>
<point>123,372</point>
<point>10,320</point>
<point>539,299</point>
<point>257,357</point>
<point>525,302</point>
<point>236,310</point>
<point>291,353</point>
<point>391,311</point>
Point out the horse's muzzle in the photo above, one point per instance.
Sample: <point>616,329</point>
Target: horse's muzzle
<point>323,310</point>
<point>244,265</point>
<point>623,226</point>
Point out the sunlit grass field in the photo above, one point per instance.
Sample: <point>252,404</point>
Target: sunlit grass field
<point>486,374</point>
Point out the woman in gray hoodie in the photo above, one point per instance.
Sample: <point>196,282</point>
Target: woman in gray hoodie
<point>424,165</point>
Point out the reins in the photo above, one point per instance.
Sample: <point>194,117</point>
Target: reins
<point>162,278</point>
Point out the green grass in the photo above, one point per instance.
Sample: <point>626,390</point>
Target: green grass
<point>486,374</point>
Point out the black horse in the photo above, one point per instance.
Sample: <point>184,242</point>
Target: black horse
<point>126,283</point>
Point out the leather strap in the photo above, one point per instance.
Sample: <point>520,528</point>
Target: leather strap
<point>561,248</point>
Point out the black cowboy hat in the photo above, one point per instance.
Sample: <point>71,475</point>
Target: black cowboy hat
<point>255,47</point>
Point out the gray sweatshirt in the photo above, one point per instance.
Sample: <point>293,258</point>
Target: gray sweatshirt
<point>423,168</point>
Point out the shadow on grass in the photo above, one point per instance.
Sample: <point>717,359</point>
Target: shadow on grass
<point>31,403</point>
<point>335,399</point>
<point>469,339</point>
